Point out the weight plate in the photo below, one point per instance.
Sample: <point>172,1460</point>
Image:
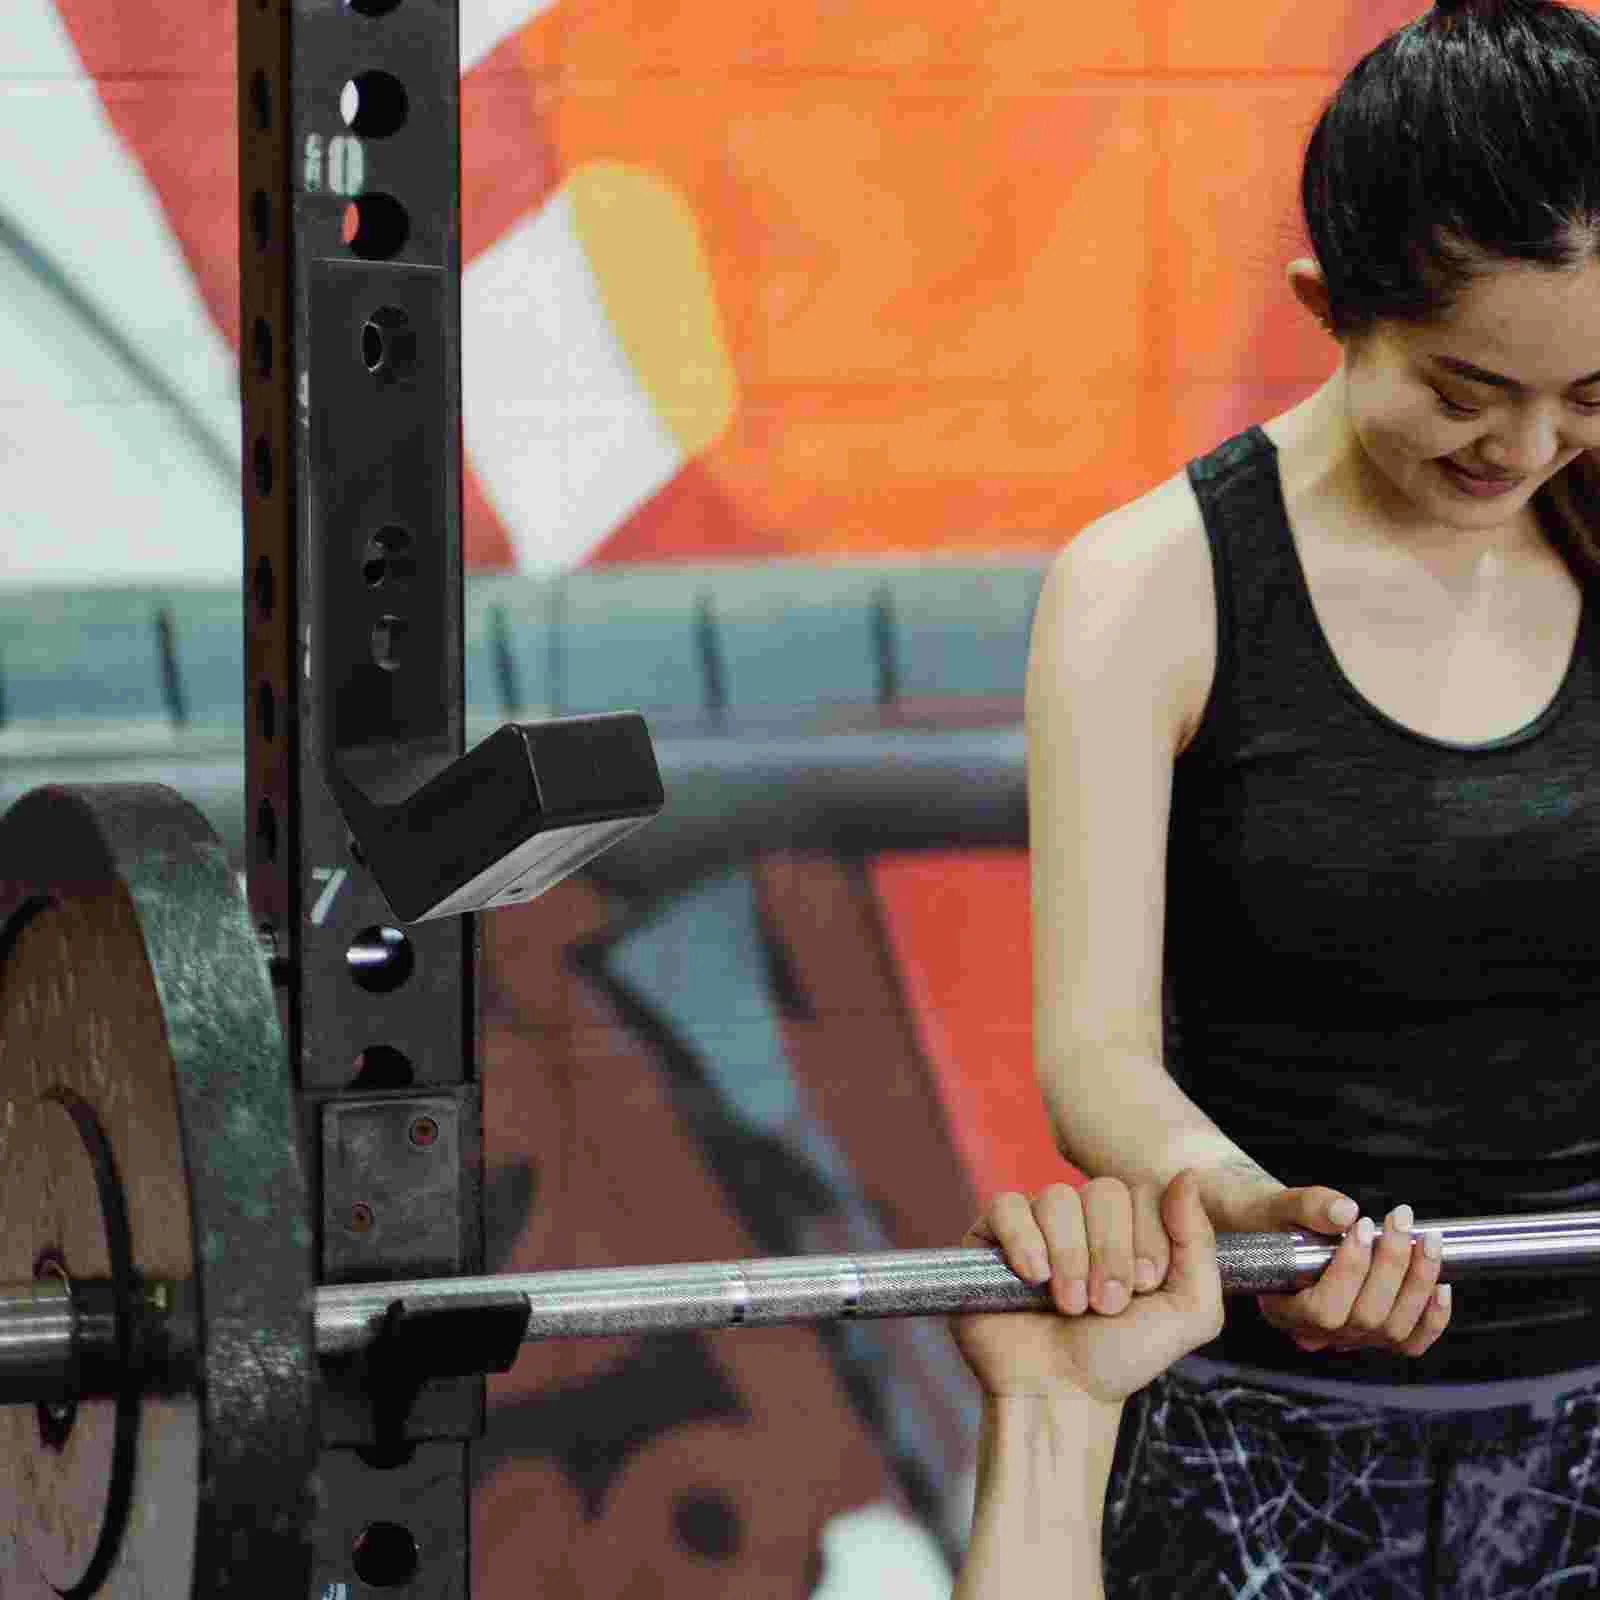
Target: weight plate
<point>147,1131</point>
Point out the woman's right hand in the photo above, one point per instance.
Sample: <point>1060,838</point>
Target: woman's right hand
<point>1376,1296</point>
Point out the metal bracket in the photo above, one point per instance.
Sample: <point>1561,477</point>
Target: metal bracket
<point>442,836</point>
<point>419,1341</point>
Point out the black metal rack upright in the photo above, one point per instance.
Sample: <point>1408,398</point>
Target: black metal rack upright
<point>350,360</point>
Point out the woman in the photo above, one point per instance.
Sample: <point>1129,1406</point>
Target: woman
<point>1314,766</point>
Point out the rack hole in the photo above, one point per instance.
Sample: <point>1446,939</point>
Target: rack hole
<point>261,218</point>
<point>376,227</point>
<point>388,557</point>
<point>263,588</point>
<point>381,1066</point>
<point>380,959</point>
<point>372,8</point>
<point>385,1555</point>
<point>266,711</point>
<point>373,104</point>
<point>261,338</point>
<point>261,100</point>
<point>267,831</point>
<point>389,345</point>
<point>263,467</point>
<point>388,640</point>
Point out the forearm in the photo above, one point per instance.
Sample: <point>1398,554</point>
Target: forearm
<point>1121,1115</point>
<point>1043,1467</point>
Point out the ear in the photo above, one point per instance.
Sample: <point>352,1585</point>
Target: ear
<point>1309,286</point>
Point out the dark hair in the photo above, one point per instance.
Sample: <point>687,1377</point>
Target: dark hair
<point>1468,139</point>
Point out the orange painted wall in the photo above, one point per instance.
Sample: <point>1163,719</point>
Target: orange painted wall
<point>979,275</point>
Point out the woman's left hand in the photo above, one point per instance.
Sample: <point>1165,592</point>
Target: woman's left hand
<point>1106,1354</point>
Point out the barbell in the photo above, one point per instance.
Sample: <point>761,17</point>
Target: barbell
<point>48,1328</point>
<point>162,1338</point>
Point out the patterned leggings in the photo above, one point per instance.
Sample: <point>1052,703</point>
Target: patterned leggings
<point>1230,1484</point>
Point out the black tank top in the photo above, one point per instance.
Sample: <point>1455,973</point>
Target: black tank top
<point>1382,951</point>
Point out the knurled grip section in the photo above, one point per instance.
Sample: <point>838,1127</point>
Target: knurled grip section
<point>1270,1263</point>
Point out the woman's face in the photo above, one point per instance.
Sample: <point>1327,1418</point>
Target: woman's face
<point>1419,412</point>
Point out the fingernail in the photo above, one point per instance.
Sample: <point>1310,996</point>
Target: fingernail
<point>1078,1297</point>
<point>1144,1274</point>
<point>1343,1212</point>
<point>1113,1295</point>
<point>1402,1217</point>
<point>1366,1232</point>
<point>1039,1269</point>
<point>1433,1244</point>
<point>1444,1296</point>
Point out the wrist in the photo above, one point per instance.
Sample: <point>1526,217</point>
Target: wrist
<point>1063,1404</point>
<point>1063,1435</point>
<point>1044,1462</point>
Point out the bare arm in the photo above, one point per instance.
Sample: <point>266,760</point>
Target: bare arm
<point>1110,672</point>
<point>1043,1466</point>
<point>1122,649</point>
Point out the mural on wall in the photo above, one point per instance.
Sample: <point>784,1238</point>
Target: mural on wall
<point>893,283</point>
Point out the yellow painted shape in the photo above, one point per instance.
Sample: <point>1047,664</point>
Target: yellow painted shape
<point>654,279</point>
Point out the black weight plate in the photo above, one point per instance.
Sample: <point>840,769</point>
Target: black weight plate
<point>147,1131</point>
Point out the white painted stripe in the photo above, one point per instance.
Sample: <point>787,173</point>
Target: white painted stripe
<point>101,486</point>
<point>878,1550</point>
<point>484,23</point>
<point>83,199</point>
<point>100,483</point>
<point>562,436</point>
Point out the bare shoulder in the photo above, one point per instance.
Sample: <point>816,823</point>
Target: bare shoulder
<point>1151,557</point>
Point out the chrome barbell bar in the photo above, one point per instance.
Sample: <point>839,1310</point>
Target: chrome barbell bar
<point>44,1325</point>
